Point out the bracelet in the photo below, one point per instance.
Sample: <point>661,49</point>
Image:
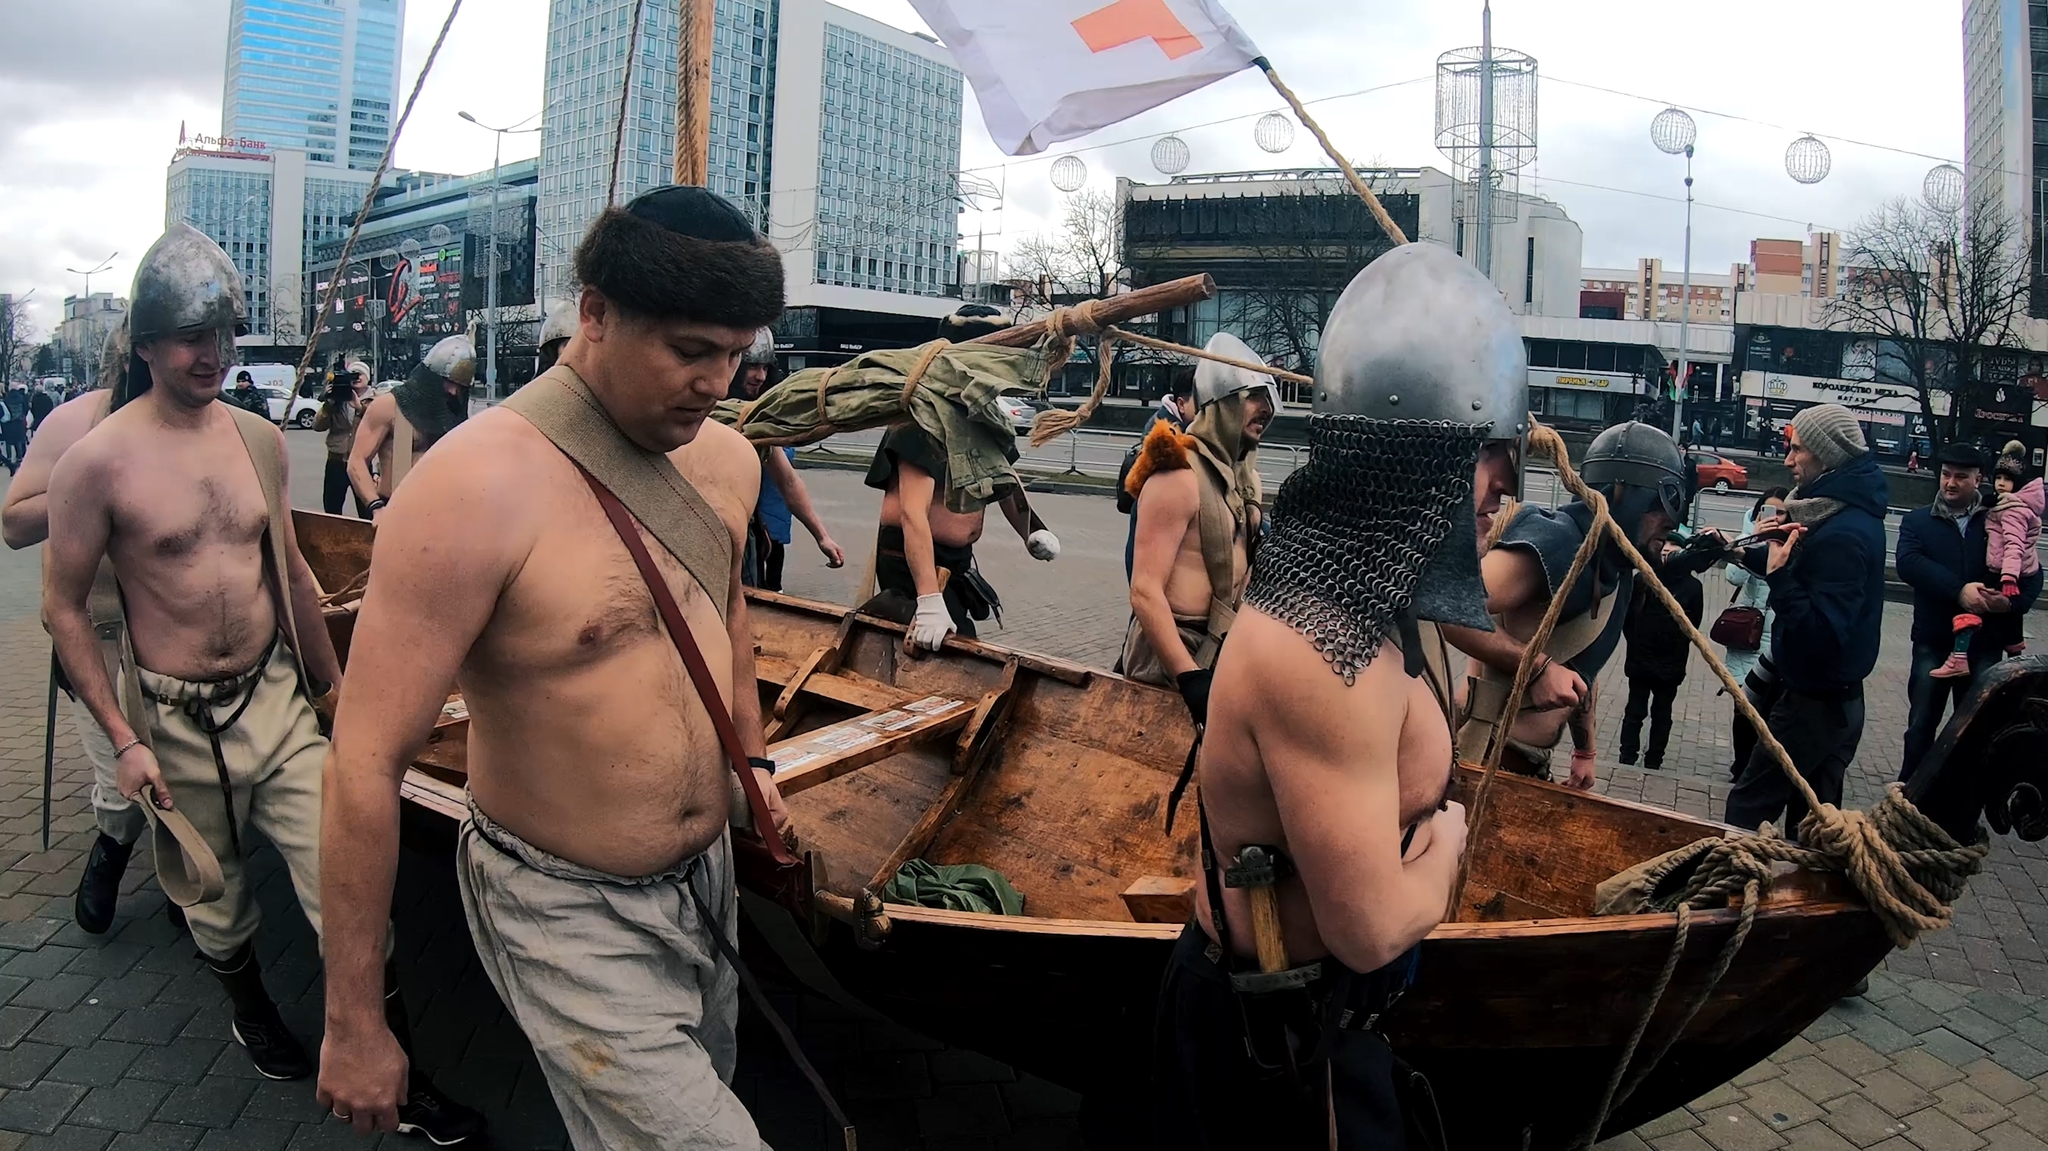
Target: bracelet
<point>1584,753</point>
<point>377,505</point>
<point>125,748</point>
<point>760,764</point>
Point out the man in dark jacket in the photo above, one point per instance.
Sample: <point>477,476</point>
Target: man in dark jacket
<point>1941,557</point>
<point>41,403</point>
<point>1826,576</point>
<point>1658,651</point>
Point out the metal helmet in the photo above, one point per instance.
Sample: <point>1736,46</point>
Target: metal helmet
<point>185,283</point>
<point>452,359</point>
<point>1213,381</point>
<point>560,324</point>
<point>1421,335</point>
<point>763,350</point>
<point>1643,458</point>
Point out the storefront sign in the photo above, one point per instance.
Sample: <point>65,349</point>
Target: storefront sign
<point>1548,378</point>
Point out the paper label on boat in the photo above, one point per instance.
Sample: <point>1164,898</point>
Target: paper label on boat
<point>934,705</point>
<point>454,709</point>
<point>843,739</point>
<point>890,720</point>
<point>788,760</point>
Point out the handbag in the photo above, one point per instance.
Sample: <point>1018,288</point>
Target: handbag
<point>1739,628</point>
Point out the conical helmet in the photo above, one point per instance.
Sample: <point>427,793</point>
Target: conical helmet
<point>1421,335</point>
<point>1213,381</point>
<point>763,349</point>
<point>1646,459</point>
<point>185,283</point>
<point>453,359</point>
<point>114,357</point>
<point>560,324</point>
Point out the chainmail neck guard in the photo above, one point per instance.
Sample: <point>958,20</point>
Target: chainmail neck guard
<point>424,401</point>
<point>1354,529</point>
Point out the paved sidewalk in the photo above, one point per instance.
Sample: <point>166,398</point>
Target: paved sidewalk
<point>120,1041</point>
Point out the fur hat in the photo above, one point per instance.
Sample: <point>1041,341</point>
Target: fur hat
<point>683,252</point>
<point>1831,433</point>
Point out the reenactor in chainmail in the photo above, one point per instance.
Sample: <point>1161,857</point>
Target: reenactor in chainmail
<point>1326,760</point>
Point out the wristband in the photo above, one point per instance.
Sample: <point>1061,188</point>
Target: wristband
<point>125,748</point>
<point>767,765</point>
<point>376,505</point>
<point>1579,753</point>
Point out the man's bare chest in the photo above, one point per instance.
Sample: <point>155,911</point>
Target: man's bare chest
<point>169,507</point>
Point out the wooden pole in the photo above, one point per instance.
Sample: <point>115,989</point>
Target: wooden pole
<point>1379,211</point>
<point>1116,309</point>
<point>693,93</point>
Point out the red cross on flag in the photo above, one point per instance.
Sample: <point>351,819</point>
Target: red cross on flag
<point>1051,70</point>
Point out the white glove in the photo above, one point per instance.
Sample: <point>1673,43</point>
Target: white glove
<point>1043,545</point>
<point>932,623</point>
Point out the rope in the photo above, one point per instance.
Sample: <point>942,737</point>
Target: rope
<point>1049,426</point>
<point>611,192</point>
<point>376,182</point>
<point>1372,202</point>
<point>917,370</point>
<point>353,587</point>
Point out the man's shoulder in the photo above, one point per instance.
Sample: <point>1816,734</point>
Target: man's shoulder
<point>494,448</point>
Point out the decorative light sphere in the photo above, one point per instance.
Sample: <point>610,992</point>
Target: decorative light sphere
<point>1170,155</point>
<point>1274,132</point>
<point>439,234</point>
<point>1943,188</point>
<point>1673,131</point>
<point>1808,160</point>
<point>1069,173</point>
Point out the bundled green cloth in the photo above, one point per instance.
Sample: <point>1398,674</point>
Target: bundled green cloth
<point>954,887</point>
<point>954,401</point>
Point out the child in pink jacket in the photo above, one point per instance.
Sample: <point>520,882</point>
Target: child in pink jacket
<point>2012,529</point>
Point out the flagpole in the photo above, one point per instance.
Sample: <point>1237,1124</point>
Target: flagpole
<point>1379,211</point>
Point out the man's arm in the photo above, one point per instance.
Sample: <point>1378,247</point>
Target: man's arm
<point>1038,539</point>
<point>914,487</point>
<point>798,497</point>
<point>1514,580</point>
<point>1918,569</point>
<point>370,437</point>
<point>316,646</point>
<point>443,555</point>
<point>1332,759</point>
<point>746,687</point>
<point>25,517</point>
<point>1170,502</point>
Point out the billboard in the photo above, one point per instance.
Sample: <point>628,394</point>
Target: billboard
<point>422,299</point>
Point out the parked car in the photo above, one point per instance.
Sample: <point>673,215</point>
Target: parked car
<point>1019,411</point>
<point>1718,472</point>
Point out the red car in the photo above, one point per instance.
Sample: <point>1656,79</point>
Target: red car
<point>1718,472</point>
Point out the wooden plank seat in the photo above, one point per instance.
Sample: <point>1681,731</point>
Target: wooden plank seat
<point>826,753</point>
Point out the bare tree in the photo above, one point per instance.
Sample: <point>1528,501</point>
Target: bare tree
<point>1943,293</point>
<point>287,310</point>
<point>1080,259</point>
<point>18,340</point>
<point>1309,245</point>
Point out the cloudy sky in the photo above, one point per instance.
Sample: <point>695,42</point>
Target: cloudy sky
<point>92,94</point>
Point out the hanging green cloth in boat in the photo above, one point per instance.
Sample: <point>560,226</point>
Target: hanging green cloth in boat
<point>954,887</point>
<point>953,399</point>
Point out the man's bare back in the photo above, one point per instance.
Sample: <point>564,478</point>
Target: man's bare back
<point>26,514</point>
<point>1332,775</point>
<point>585,737</point>
<point>185,520</point>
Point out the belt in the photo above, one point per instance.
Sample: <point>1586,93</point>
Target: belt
<point>200,711</point>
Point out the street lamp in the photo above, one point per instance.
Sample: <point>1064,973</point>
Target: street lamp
<point>491,286</point>
<point>1673,132</point>
<point>89,273</point>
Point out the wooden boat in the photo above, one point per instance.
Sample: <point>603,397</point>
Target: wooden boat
<point>1056,775</point>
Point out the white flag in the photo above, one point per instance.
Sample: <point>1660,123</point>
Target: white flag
<point>1051,70</point>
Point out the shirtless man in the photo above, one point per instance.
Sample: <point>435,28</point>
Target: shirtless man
<point>1204,478</point>
<point>1643,475</point>
<point>920,533</point>
<point>783,494</point>
<point>1326,761</point>
<point>596,870</point>
<point>215,714</point>
<point>432,400</point>
<point>25,522</point>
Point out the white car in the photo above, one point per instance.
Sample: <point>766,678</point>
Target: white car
<point>1019,412</point>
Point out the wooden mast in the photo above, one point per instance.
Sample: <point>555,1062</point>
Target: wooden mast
<point>693,92</point>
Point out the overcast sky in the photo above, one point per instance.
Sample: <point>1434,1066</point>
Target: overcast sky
<point>92,93</point>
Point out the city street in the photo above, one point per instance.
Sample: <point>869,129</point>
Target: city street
<point>121,1040</point>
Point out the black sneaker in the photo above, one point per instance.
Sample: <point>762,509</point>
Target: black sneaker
<point>99,886</point>
<point>272,1048</point>
<point>443,1121</point>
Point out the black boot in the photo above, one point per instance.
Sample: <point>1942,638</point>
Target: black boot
<point>99,886</point>
<point>257,1026</point>
<point>425,1111</point>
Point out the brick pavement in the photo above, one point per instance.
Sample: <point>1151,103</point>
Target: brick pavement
<point>120,1041</point>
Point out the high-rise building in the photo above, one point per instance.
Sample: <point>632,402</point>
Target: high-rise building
<point>316,75</point>
<point>2005,118</point>
<point>838,134</point>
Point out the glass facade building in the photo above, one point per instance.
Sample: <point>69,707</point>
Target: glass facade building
<point>318,75</point>
<point>586,54</point>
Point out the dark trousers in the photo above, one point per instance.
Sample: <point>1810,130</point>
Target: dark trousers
<point>1762,690</point>
<point>1927,698</point>
<point>1210,1093</point>
<point>1652,698</point>
<point>762,565</point>
<point>17,442</point>
<point>335,489</point>
<point>1821,733</point>
<point>892,578</point>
